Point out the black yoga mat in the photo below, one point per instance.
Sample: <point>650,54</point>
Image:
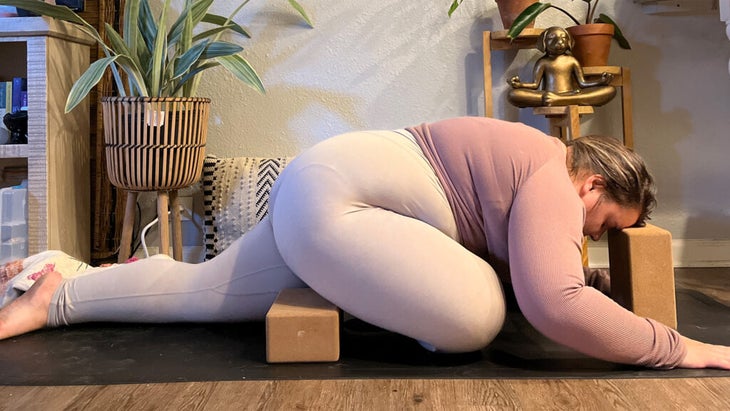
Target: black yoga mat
<point>122,353</point>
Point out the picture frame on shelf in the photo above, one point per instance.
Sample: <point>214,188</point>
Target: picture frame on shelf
<point>75,5</point>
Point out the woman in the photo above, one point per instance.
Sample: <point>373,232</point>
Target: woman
<point>415,231</point>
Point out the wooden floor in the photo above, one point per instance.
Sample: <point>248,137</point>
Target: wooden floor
<point>382,394</point>
<point>641,394</point>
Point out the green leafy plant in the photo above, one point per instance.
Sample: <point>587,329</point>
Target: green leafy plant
<point>454,5</point>
<point>159,59</point>
<point>530,14</point>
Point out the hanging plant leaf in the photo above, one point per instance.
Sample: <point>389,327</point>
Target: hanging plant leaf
<point>221,48</point>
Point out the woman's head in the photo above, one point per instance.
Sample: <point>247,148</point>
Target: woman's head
<point>625,179</point>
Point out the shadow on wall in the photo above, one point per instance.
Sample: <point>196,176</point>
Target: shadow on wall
<point>293,114</point>
<point>505,63</point>
<point>657,133</point>
<point>303,117</point>
<point>474,65</point>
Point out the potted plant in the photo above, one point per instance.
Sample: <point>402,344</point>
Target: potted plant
<point>508,10</point>
<point>155,131</point>
<point>593,29</point>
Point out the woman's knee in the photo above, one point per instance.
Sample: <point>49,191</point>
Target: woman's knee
<point>474,329</point>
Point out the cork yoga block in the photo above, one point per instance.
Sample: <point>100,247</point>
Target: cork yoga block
<point>301,326</point>
<point>642,272</point>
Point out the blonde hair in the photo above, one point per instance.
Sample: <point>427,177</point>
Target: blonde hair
<point>628,182</point>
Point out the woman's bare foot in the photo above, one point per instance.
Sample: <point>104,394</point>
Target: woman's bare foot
<point>29,312</point>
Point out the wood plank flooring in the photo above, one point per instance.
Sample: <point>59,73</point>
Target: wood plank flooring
<point>623,394</point>
<point>704,394</point>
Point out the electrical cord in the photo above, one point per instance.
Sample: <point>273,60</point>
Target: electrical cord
<point>137,224</point>
<point>143,233</point>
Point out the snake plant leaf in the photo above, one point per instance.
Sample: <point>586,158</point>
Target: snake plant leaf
<point>617,34</point>
<point>131,24</point>
<point>116,42</point>
<point>200,9</point>
<point>147,33</point>
<point>221,48</point>
<point>223,21</point>
<point>242,70</point>
<point>186,39</point>
<point>159,53</point>
<point>298,7</point>
<point>94,73</point>
<point>455,5</point>
<point>190,57</point>
<point>118,46</point>
<point>135,76</point>
<point>196,13</point>
<point>87,81</point>
<point>147,26</point>
<point>527,16</point>
<point>210,33</point>
<point>133,37</point>
<point>155,59</point>
<point>185,79</point>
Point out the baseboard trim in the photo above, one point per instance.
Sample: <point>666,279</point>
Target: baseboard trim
<point>685,253</point>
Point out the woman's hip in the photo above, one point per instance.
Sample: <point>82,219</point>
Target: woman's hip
<point>384,169</point>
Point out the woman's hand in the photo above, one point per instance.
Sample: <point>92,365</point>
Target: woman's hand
<point>702,355</point>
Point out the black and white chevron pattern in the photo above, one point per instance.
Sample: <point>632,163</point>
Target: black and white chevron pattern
<point>269,170</point>
<point>235,196</point>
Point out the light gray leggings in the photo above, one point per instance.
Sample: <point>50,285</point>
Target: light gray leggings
<point>360,218</point>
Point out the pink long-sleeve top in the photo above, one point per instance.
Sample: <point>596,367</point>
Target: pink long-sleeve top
<point>515,206</point>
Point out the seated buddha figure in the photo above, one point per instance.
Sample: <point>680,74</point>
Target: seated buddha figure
<point>558,77</point>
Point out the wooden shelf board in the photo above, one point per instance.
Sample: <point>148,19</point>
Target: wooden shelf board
<point>526,39</point>
<point>14,151</point>
<point>42,26</point>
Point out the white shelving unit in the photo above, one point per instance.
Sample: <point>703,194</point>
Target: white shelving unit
<point>52,55</point>
<point>678,7</point>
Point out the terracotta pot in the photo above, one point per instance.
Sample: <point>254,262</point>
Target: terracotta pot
<point>154,144</point>
<point>592,43</point>
<point>510,9</point>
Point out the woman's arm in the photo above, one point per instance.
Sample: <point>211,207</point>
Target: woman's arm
<point>699,354</point>
<point>545,237</point>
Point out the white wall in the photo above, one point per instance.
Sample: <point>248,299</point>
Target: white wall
<point>385,64</point>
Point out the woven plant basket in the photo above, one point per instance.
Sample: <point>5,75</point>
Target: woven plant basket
<point>155,143</point>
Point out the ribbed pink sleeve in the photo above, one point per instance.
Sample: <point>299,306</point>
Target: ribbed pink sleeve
<point>515,205</point>
<point>548,280</point>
